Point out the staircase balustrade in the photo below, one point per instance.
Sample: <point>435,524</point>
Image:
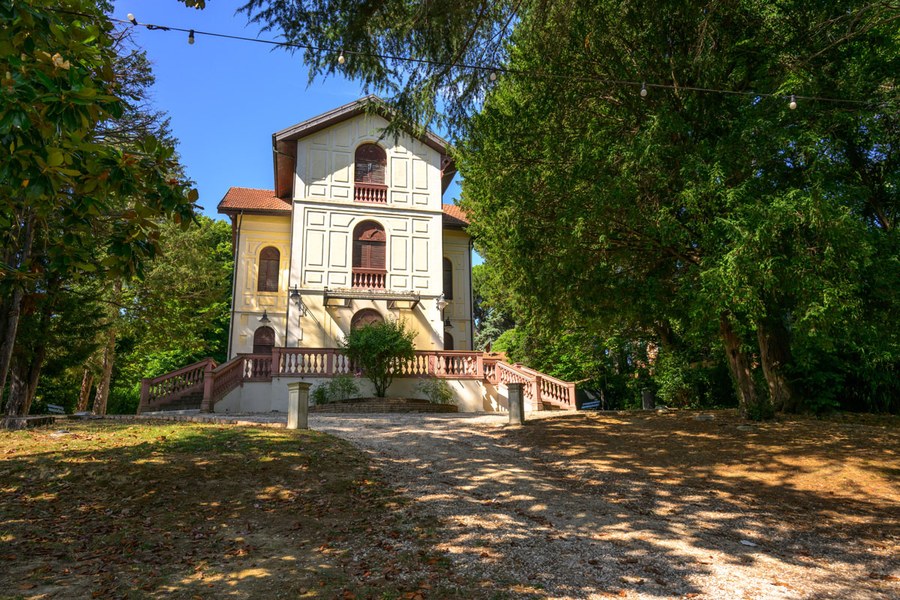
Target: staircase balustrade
<point>213,382</point>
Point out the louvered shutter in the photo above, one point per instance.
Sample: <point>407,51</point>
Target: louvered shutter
<point>370,164</point>
<point>269,263</point>
<point>448,279</point>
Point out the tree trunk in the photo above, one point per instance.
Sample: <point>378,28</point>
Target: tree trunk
<point>15,305</point>
<point>751,405</point>
<point>775,354</point>
<point>87,381</point>
<point>109,353</point>
<point>15,405</point>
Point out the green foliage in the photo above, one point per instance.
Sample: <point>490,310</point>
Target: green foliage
<point>340,389</point>
<point>319,395</point>
<point>661,229</point>
<point>437,391</point>
<point>491,311</point>
<point>377,348</point>
<point>81,202</point>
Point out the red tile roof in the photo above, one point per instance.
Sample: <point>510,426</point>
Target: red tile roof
<point>454,216</point>
<point>250,200</point>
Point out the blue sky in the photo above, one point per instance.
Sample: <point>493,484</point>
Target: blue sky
<point>226,97</point>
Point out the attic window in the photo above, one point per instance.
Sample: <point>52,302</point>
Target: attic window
<point>371,161</point>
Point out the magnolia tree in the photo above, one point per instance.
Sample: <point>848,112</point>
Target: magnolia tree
<point>377,349</point>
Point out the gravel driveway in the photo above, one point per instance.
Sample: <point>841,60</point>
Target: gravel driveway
<point>510,517</point>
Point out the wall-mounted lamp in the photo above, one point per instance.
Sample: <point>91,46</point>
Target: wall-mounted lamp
<point>265,318</point>
<point>448,324</point>
<point>440,302</point>
<point>295,296</point>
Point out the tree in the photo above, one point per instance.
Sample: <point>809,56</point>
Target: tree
<point>679,210</point>
<point>59,184</point>
<point>490,307</point>
<point>378,349</point>
<point>688,218</point>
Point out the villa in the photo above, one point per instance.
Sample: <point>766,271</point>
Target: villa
<point>355,231</point>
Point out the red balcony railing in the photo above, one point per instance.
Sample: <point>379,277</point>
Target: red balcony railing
<point>369,279</point>
<point>374,193</point>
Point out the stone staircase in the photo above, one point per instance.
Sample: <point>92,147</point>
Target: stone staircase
<point>202,384</point>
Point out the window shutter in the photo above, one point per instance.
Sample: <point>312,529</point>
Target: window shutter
<point>371,161</point>
<point>269,263</point>
<point>369,246</point>
<point>448,279</point>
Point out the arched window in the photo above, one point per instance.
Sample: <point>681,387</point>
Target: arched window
<point>366,316</point>
<point>448,279</point>
<point>371,161</point>
<point>267,280</point>
<point>448,341</point>
<point>369,242</point>
<point>263,340</point>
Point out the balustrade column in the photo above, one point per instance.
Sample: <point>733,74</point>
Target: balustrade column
<point>145,395</point>
<point>208,378</point>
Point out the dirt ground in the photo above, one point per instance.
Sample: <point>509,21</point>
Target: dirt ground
<point>646,505</point>
<point>637,505</point>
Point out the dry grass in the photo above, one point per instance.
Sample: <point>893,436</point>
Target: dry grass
<point>198,511</point>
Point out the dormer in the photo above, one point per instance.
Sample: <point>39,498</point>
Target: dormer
<point>342,156</point>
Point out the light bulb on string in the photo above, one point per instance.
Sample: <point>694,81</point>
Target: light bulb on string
<point>793,103</point>
<point>132,19</point>
<point>341,59</point>
<point>191,37</point>
<point>493,76</point>
<point>643,90</point>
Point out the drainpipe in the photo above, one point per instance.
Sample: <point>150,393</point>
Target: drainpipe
<point>236,223</point>
<point>471,297</point>
<point>287,313</point>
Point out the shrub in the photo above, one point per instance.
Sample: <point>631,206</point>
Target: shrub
<point>319,395</point>
<point>437,391</point>
<point>339,389</point>
<point>377,349</point>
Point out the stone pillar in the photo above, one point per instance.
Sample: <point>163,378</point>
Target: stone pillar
<point>516,403</point>
<point>298,405</point>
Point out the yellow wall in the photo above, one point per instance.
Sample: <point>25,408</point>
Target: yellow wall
<point>459,309</point>
<point>258,232</point>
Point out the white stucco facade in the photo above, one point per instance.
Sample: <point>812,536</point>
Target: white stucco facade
<point>312,222</point>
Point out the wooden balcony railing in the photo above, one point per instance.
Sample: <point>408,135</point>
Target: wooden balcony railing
<point>369,279</point>
<point>373,193</point>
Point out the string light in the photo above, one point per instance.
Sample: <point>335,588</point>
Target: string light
<point>424,61</point>
<point>191,37</point>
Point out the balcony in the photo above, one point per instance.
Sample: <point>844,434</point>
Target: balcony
<point>371,193</point>
<point>369,279</point>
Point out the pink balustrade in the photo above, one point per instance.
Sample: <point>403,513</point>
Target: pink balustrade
<point>175,385</point>
<point>215,382</point>
<point>369,279</point>
<point>372,193</point>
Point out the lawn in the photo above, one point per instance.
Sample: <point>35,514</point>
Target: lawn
<point>112,510</point>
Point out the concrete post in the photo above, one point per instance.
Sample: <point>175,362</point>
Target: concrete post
<point>298,405</point>
<point>648,399</point>
<point>516,403</point>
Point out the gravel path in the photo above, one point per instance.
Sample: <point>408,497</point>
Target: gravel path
<point>541,531</point>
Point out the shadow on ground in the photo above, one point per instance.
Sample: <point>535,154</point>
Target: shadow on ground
<point>654,505</point>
